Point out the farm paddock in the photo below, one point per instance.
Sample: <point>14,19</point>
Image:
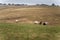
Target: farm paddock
<point>10,31</point>
<point>30,14</point>
<point>23,29</point>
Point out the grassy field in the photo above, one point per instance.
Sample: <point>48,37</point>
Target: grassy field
<point>10,31</point>
<point>30,14</point>
<point>25,29</point>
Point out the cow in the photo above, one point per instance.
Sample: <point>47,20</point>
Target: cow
<point>36,22</point>
<point>45,23</point>
<point>16,21</point>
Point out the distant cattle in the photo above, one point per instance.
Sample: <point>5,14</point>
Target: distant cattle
<point>36,22</point>
<point>16,21</point>
<point>40,22</point>
<point>45,23</point>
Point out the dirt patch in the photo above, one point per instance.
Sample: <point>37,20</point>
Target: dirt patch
<point>20,20</point>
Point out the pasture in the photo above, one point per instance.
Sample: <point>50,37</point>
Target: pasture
<point>25,29</point>
<point>10,31</point>
<point>30,14</point>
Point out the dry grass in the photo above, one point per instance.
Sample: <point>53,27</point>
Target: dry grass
<point>50,14</point>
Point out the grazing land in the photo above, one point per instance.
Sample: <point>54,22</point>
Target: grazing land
<point>30,14</point>
<point>10,31</point>
<point>25,29</point>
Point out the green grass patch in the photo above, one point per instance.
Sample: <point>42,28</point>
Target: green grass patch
<point>9,31</point>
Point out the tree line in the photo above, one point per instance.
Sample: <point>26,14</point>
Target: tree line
<point>9,4</point>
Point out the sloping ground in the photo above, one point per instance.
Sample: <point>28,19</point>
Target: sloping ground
<point>49,14</point>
